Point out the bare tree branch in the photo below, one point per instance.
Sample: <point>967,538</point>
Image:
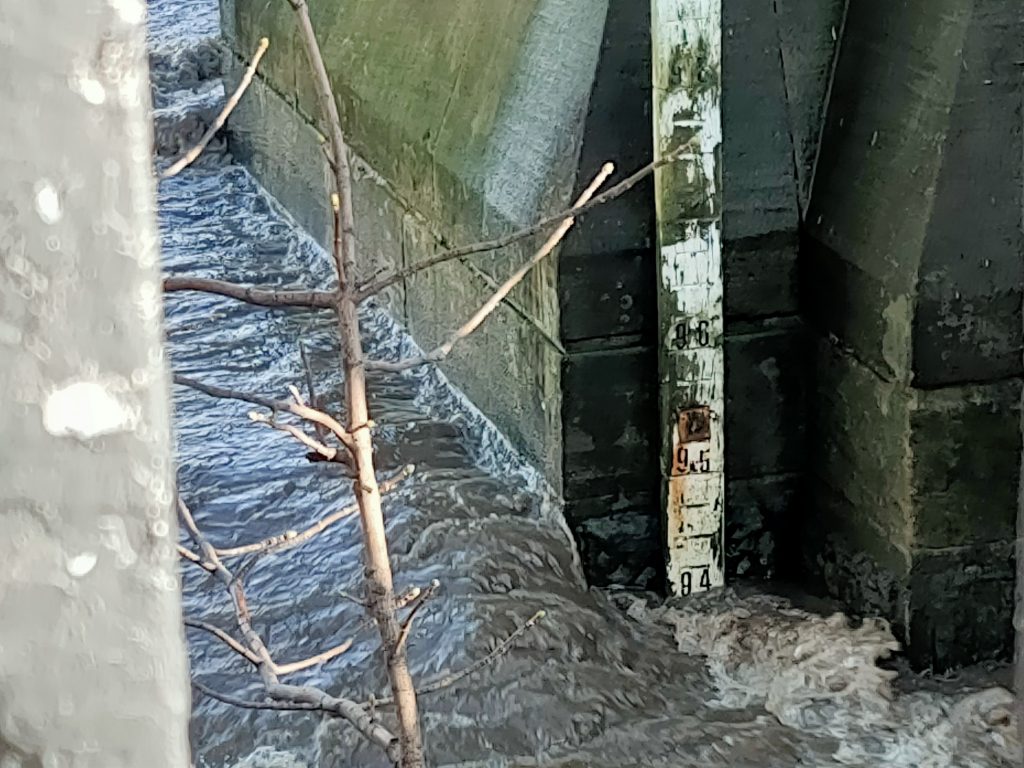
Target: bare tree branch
<point>194,558</point>
<point>252,294</point>
<point>403,601</point>
<point>351,598</point>
<point>225,638</point>
<point>344,708</point>
<point>236,701</point>
<point>190,157</point>
<point>377,285</point>
<point>313,400</point>
<point>428,593</point>
<point>446,681</point>
<point>302,411</point>
<point>380,593</point>
<point>441,352</point>
<point>312,661</point>
<point>327,452</point>
<point>291,539</point>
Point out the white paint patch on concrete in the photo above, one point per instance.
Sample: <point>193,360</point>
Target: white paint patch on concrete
<point>80,565</point>
<point>48,203</point>
<point>130,11</point>
<point>85,410</point>
<point>88,87</point>
<point>149,302</point>
<point>692,268</point>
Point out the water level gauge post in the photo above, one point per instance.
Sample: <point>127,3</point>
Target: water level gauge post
<point>686,54</point>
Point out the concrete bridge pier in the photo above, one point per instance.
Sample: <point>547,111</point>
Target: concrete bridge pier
<point>93,670</point>
<point>911,282</point>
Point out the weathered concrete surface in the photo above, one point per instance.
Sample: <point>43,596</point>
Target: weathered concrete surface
<point>470,117</point>
<point>914,255</point>
<point>608,315</point>
<point>1018,614</point>
<point>758,170</point>
<point>765,364</point>
<point>809,32</point>
<point>92,667</point>
<point>967,326</point>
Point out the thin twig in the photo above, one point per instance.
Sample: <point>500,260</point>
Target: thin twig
<point>189,157</point>
<point>441,351</point>
<point>225,638</point>
<point>403,600</point>
<point>303,412</point>
<point>190,522</point>
<point>291,694</point>
<point>312,661</point>
<point>235,701</point>
<point>449,680</point>
<point>193,557</point>
<point>328,453</point>
<point>290,539</point>
<point>252,294</point>
<point>377,285</point>
<point>428,593</point>
<point>446,681</point>
<point>351,598</point>
<point>308,369</point>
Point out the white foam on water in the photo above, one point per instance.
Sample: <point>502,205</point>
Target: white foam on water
<point>820,674</point>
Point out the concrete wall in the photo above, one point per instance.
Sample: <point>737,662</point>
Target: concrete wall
<point>606,287</point>
<point>466,119</point>
<point>92,659</point>
<point>912,275</point>
<point>772,93</point>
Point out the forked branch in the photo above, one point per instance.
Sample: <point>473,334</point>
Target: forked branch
<point>289,694</point>
<point>440,352</point>
<point>380,594</point>
<point>324,451</point>
<point>302,411</point>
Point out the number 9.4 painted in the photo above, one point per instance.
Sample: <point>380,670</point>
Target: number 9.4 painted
<point>695,580</point>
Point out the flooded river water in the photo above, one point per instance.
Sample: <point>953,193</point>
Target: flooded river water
<point>605,681</point>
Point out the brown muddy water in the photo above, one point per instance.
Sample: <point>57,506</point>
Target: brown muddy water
<point>607,680</point>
